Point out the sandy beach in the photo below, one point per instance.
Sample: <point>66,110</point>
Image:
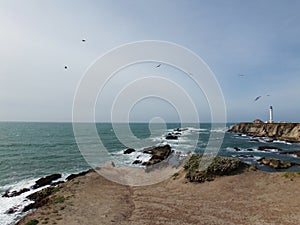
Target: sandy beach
<point>252,197</point>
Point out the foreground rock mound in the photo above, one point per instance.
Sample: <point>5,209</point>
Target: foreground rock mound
<point>280,131</point>
<point>220,166</point>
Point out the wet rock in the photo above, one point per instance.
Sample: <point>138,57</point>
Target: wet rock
<point>129,151</point>
<point>137,161</point>
<point>12,210</point>
<point>297,153</point>
<point>46,180</point>
<point>268,148</point>
<point>171,137</point>
<point>8,194</point>
<point>245,156</point>
<point>237,149</point>
<point>276,163</point>
<point>180,129</point>
<point>72,176</point>
<point>254,140</point>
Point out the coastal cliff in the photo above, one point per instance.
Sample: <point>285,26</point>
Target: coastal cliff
<point>280,131</point>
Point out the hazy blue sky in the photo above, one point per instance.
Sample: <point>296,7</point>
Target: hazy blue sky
<point>259,39</point>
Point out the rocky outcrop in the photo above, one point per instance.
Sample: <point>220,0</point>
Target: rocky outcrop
<point>72,176</point>
<point>296,153</point>
<point>219,166</point>
<point>46,180</point>
<point>280,131</point>
<point>276,163</point>
<point>40,198</point>
<point>159,154</point>
<point>8,194</point>
<point>129,151</point>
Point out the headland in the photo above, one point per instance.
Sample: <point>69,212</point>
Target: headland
<point>280,131</point>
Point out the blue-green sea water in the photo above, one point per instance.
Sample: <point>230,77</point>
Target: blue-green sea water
<point>29,151</point>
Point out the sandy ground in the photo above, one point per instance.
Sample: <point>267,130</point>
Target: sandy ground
<point>253,197</point>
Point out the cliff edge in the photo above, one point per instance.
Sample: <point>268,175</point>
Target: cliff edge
<point>280,131</point>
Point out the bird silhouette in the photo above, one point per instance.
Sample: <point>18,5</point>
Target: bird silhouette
<point>83,40</point>
<point>258,97</point>
<point>66,67</point>
<point>241,75</point>
<point>158,65</point>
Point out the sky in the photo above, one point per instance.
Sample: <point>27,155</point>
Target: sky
<point>252,47</point>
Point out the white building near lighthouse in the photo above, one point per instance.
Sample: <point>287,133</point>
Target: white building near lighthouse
<point>271,115</point>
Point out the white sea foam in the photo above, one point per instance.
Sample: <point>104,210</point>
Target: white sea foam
<point>18,202</point>
<point>282,142</point>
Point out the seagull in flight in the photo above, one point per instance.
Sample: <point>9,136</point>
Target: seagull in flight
<point>83,40</point>
<point>241,75</point>
<point>258,97</point>
<point>66,67</point>
<point>158,65</point>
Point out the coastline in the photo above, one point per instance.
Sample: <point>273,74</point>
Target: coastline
<point>249,197</point>
<point>280,131</point>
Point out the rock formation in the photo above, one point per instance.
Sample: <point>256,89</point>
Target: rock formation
<point>46,180</point>
<point>219,166</point>
<point>276,163</point>
<point>280,131</point>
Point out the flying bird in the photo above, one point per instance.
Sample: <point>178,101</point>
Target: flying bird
<point>158,65</point>
<point>268,95</point>
<point>66,67</point>
<point>83,40</point>
<point>241,75</point>
<point>258,97</point>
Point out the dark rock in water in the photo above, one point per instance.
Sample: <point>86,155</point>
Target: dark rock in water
<point>46,180</point>
<point>159,154</point>
<point>237,149</point>
<point>12,210</point>
<point>137,161</point>
<point>254,140</point>
<point>250,149</point>
<point>180,129</point>
<point>297,153</point>
<point>276,163</point>
<point>128,151</point>
<point>245,156</point>
<point>219,166</point>
<point>8,194</point>
<point>72,176</point>
<point>268,148</point>
<point>171,137</point>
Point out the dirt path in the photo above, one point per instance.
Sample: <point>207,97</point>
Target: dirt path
<point>249,198</point>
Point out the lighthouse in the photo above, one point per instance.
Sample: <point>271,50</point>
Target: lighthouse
<point>271,115</point>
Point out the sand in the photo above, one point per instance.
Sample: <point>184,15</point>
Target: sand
<point>253,197</point>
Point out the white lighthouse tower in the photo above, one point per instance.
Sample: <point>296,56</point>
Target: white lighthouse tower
<point>271,115</point>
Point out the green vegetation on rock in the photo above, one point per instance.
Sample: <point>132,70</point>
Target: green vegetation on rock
<point>218,166</point>
<point>32,222</point>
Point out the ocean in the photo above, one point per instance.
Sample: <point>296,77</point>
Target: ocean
<point>29,151</point>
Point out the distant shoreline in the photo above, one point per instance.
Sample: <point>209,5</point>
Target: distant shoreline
<point>279,131</point>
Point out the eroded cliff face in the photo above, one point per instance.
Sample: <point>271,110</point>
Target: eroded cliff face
<point>280,131</point>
